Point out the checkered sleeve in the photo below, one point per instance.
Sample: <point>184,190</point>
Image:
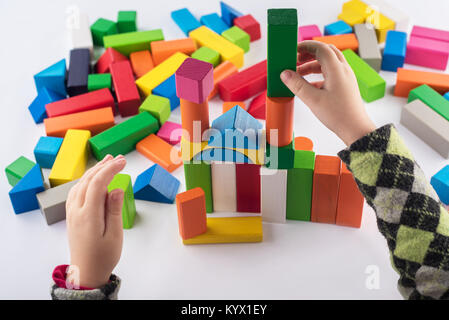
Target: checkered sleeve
<point>409,214</point>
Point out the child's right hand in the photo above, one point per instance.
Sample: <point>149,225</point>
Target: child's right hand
<point>336,101</point>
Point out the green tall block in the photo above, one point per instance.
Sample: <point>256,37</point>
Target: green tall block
<point>18,169</point>
<point>100,29</point>
<point>130,42</point>
<point>371,84</point>
<point>300,186</point>
<point>431,98</point>
<point>158,107</point>
<point>280,158</point>
<point>238,37</point>
<point>127,21</point>
<point>99,81</point>
<point>207,55</point>
<point>198,174</point>
<point>123,181</point>
<point>282,49</point>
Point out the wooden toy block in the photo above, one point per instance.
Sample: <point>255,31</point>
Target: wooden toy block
<point>161,50</point>
<point>194,120</point>
<point>191,149</point>
<point>159,107</point>
<point>341,41</point>
<point>191,207</point>
<point>430,33</point>
<point>368,47</point>
<point>250,25</point>
<point>446,96</point>
<point>238,37</point>
<point>273,195</point>
<point>194,80</point>
<point>394,51</point>
<point>170,132</point>
<point>282,48</point>
<point>123,181</point>
<point>205,37</point>
<point>84,102</point>
<point>142,62</point>
<point>326,181</point>
<point>308,32</point>
<point>185,20</point>
<point>228,13</point>
<point>160,152</point>
<point>160,73</point>
<point>52,202</point>
<point>128,98</point>
<point>214,22</point>
<point>207,55</point>
<point>52,78</point>
<point>80,34</point>
<point>224,70</point>
<point>157,185</point>
<point>248,187</point>
<point>382,24</point>
<point>222,155</point>
<point>44,97</point>
<point>303,144</point>
<point>351,18</point>
<point>257,107</point>
<point>440,182</point>
<point>18,169</point>
<point>122,138</point>
<point>300,186</point>
<point>427,53</point>
<point>109,57</point>
<point>224,186</point>
<point>127,43</point>
<point>23,195</point>
<point>198,175</point>
<point>46,150</point>
<point>357,7</point>
<point>245,84</point>
<point>228,105</point>
<point>431,98</point>
<point>400,19</point>
<point>71,160</point>
<point>279,123</point>
<point>372,86</point>
<point>408,80</point>
<point>127,21</point>
<point>95,121</point>
<point>99,81</point>
<point>427,125</point>
<point>100,29</point>
<point>350,201</point>
<point>167,89</point>
<point>280,157</point>
<point>79,69</point>
<point>338,27</point>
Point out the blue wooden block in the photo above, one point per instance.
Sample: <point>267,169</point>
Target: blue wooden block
<point>37,107</point>
<point>156,184</point>
<point>339,27</point>
<point>52,78</point>
<point>23,195</point>
<point>228,13</point>
<point>440,182</point>
<point>222,154</point>
<point>214,22</point>
<point>185,20</point>
<point>447,95</point>
<point>78,73</point>
<point>167,89</point>
<point>395,50</point>
<point>236,118</point>
<point>46,150</point>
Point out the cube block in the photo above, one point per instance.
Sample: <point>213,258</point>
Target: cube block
<point>158,107</point>
<point>18,169</point>
<point>46,151</point>
<point>194,80</point>
<point>102,27</point>
<point>238,37</point>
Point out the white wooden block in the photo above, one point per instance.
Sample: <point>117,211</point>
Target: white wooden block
<point>224,188</point>
<point>273,195</point>
<point>79,29</point>
<point>401,19</point>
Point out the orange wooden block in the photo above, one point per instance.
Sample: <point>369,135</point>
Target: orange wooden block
<point>192,219</point>
<point>95,121</point>
<point>341,41</point>
<point>408,80</point>
<point>279,118</point>
<point>161,50</point>
<point>326,180</point>
<point>303,143</point>
<point>228,105</point>
<point>142,62</point>
<point>160,152</point>
<point>221,72</point>
<point>195,119</point>
<point>350,201</point>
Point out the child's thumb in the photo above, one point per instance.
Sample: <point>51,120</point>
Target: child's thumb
<point>298,85</point>
<point>114,205</point>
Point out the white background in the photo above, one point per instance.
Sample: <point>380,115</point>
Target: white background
<point>297,260</point>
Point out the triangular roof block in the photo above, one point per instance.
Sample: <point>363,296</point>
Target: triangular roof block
<point>44,97</point>
<point>156,184</point>
<point>236,118</point>
<point>23,195</point>
<point>222,154</point>
<point>52,78</point>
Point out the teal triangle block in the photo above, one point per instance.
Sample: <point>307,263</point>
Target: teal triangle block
<point>53,78</point>
<point>23,195</point>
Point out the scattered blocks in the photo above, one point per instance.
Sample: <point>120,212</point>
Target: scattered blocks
<point>228,13</point>
<point>430,33</point>
<point>198,174</point>
<point>142,62</point>
<point>185,20</point>
<point>339,27</point>
<point>79,70</point>
<point>303,144</point>
<point>382,24</point>
<point>159,107</point>
<point>157,185</point>
<point>273,195</point>
<point>123,181</point>
<point>431,98</point>
<point>170,132</point>
<point>99,81</point>
<point>80,34</point>
<point>368,47</point>
<point>350,201</point>
<point>161,50</point>
<point>257,107</point>
<point>308,32</point>
<point>394,52</point>
<point>408,80</point>
<point>427,53</point>
<point>279,123</point>
<point>129,42</point>
<point>194,80</point>
<point>23,195</point>
<point>160,152</point>
<point>351,18</point>
<point>440,182</point>
<point>52,202</point>
<point>100,29</point>
<point>109,57</point>
<point>127,21</point>
<point>207,55</point>
<point>18,169</point>
<point>238,37</point>
<point>341,41</point>
<point>191,207</point>
<point>224,186</point>
<point>228,105</point>
<point>214,22</point>
<point>128,98</point>
<point>44,97</point>
<point>167,89</point>
<point>194,119</point>
<point>250,25</point>
<point>248,187</point>
<point>46,151</point>
<point>52,78</point>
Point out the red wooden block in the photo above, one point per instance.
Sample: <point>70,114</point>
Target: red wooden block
<point>245,84</point>
<point>109,57</point>
<point>249,25</point>
<point>128,98</point>
<point>350,201</point>
<point>248,187</point>
<point>257,107</point>
<point>84,102</point>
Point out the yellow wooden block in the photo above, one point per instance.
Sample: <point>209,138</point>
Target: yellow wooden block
<point>230,230</point>
<point>352,18</point>
<point>71,161</point>
<point>382,25</point>
<point>191,149</point>
<point>160,73</point>
<point>358,7</point>
<point>205,37</point>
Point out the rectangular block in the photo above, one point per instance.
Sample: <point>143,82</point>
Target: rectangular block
<point>431,98</point>
<point>358,7</point>
<point>248,187</point>
<point>142,62</point>
<point>400,18</point>
<point>99,81</point>
<point>394,52</point>
<point>224,70</point>
<point>198,175</point>
<point>108,57</point>
<point>308,32</point>
<point>123,182</point>
<point>430,33</point>
<point>191,207</point>
<point>160,152</point>
<point>185,20</point>
<point>46,150</point>
<point>127,21</point>
<point>100,29</point>
<point>339,27</point>
<point>224,186</point>
<point>427,53</point>
<point>280,157</point>
<point>408,80</point>
<point>79,69</point>
<point>350,201</point>
<point>341,41</point>
<point>18,169</point>
<point>382,24</point>
<point>167,89</point>
<point>128,98</point>
<point>214,22</point>
<point>162,50</point>
<point>250,25</point>
<point>129,42</point>
<point>273,195</point>
<point>352,18</point>
<point>440,182</point>
<point>52,202</point>
<point>368,47</point>
<point>80,35</point>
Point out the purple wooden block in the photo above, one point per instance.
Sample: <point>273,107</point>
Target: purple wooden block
<point>170,132</point>
<point>194,80</point>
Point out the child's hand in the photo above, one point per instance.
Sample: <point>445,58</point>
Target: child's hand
<point>336,101</point>
<point>94,225</point>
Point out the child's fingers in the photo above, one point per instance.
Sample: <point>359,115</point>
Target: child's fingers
<point>323,53</point>
<point>114,220</point>
<point>318,84</point>
<point>312,67</point>
<point>339,54</point>
<point>300,87</point>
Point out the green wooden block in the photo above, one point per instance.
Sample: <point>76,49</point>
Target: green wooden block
<point>18,169</point>
<point>198,174</point>
<point>238,37</point>
<point>123,181</point>
<point>371,84</point>
<point>100,29</point>
<point>99,81</point>
<point>123,137</point>
<point>130,42</point>
<point>127,21</point>
<point>280,158</point>
<point>300,186</point>
<point>282,49</point>
<point>158,107</point>
<point>207,55</point>
<point>432,98</point>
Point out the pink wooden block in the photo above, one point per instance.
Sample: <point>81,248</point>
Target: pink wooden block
<point>427,53</point>
<point>194,80</point>
<point>170,132</point>
<point>308,32</point>
<point>430,33</point>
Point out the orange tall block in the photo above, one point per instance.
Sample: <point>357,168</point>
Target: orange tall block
<point>341,41</point>
<point>350,201</point>
<point>141,62</point>
<point>195,119</point>
<point>408,80</point>
<point>161,50</point>
<point>228,105</point>
<point>192,217</point>
<point>160,152</point>
<point>279,115</point>
<point>221,72</point>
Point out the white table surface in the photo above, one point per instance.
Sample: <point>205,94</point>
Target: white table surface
<point>296,260</point>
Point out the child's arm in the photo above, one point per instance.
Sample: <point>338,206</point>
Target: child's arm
<point>95,233</point>
<point>408,211</point>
